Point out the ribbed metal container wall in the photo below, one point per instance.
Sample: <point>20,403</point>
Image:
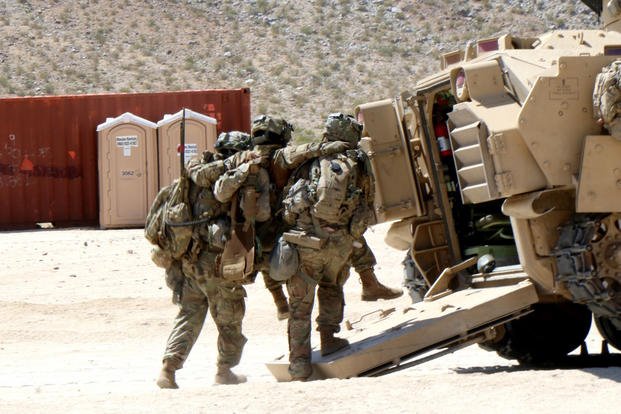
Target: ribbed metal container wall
<point>48,148</point>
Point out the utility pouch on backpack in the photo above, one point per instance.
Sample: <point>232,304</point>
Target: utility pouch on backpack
<point>237,260</point>
<point>178,233</point>
<point>302,239</point>
<point>155,218</point>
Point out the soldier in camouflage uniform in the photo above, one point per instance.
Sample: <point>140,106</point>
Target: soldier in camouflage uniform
<point>191,290</point>
<point>288,159</point>
<point>270,136</point>
<point>336,214</point>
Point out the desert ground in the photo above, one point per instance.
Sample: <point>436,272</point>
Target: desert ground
<point>85,317</point>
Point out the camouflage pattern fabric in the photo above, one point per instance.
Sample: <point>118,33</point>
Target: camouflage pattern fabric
<point>227,307</point>
<point>188,323</point>
<point>263,265</point>
<point>270,129</point>
<point>226,304</point>
<point>362,258</point>
<point>270,283</point>
<point>328,268</point>
<point>205,174</point>
<point>231,181</point>
<point>607,97</point>
<point>202,289</point>
<point>292,156</point>
<point>341,127</point>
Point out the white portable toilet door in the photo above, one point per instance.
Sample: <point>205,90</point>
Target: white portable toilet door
<point>196,136</point>
<point>128,174</point>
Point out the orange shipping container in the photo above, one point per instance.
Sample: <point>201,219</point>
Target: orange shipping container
<point>48,148</point>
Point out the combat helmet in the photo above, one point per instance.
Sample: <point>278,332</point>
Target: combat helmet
<point>341,127</point>
<point>268,129</point>
<point>229,143</point>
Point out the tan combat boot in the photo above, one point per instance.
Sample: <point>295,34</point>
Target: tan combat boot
<point>330,343</point>
<point>225,376</point>
<point>373,290</point>
<point>167,375</point>
<point>282,306</point>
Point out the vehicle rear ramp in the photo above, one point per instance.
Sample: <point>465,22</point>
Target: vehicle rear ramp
<point>389,340</point>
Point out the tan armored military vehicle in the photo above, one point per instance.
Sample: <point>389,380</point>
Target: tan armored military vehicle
<point>502,174</point>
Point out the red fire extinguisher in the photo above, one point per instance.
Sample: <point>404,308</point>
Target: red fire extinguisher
<point>442,137</point>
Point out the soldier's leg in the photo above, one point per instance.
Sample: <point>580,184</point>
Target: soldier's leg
<point>330,295</point>
<point>227,308</point>
<point>188,324</point>
<point>331,305</point>
<point>363,260</point>
<point>301,298</point>
<point>278,294</point>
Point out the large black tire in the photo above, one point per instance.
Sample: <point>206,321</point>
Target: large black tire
<point>544,336</point>
<point>609,331</point>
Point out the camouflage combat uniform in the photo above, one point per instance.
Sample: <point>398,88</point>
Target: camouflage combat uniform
<point>198,290</point>
<point>282,161</point>
<point>188,323</point>
<point>227,297</point>
<point>362,258</point>
<point>326,267</point>
<point>191,299</point>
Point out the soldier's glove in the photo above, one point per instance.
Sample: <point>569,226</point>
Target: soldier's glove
<point>335,147</point>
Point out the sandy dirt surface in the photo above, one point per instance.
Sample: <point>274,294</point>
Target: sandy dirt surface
<point>85,317</point>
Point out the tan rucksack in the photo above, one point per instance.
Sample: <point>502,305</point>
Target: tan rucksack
<point>336,178</point>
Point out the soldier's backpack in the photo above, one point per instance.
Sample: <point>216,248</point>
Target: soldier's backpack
<point>168,224</point>
<point>337,194</point>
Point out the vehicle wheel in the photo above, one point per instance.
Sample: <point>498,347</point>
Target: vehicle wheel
<point>547,334</point>
<point>609,331</point>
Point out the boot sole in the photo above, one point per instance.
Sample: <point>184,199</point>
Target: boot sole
<point>376,298</point>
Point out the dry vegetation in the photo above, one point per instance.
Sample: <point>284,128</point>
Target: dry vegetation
<point>302,59</point>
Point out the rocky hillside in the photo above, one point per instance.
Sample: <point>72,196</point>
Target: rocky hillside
<point>301,59</point>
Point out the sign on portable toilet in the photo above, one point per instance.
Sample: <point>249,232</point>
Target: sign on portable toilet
<point>200,134</point>
<point>127,170</point>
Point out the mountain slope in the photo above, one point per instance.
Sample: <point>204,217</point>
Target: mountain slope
<point>301,59</point>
